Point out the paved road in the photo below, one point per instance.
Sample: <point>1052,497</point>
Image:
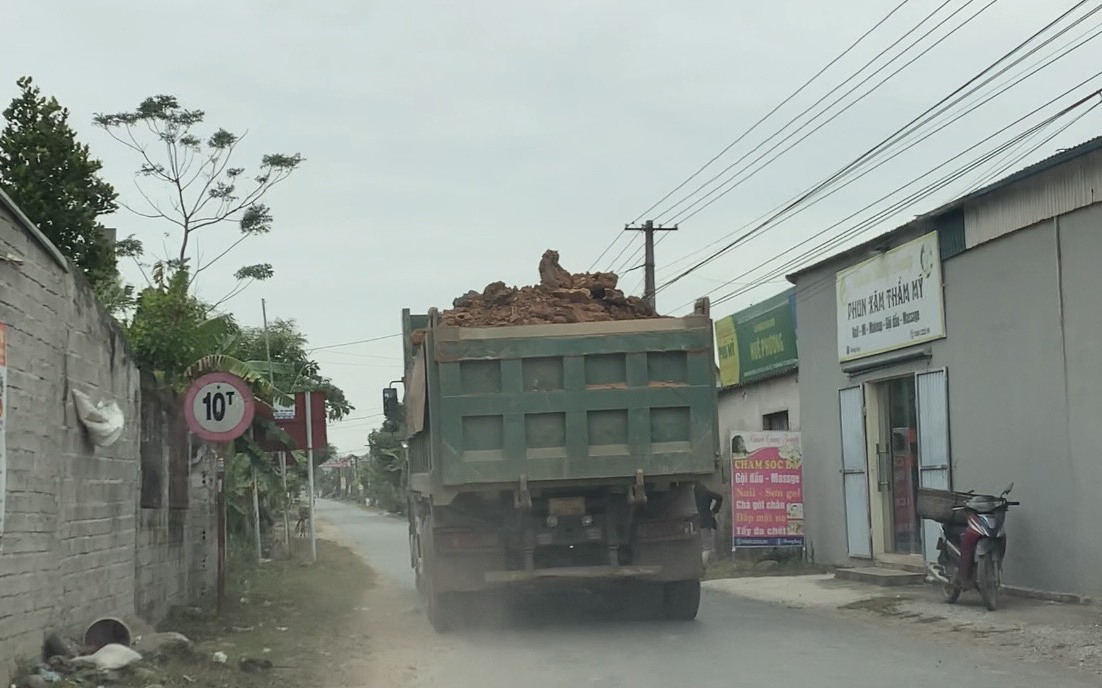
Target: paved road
<point>734,642</point>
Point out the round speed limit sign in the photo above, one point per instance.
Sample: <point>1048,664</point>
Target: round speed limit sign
<point>219,407</point>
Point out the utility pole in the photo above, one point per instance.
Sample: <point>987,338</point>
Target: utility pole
<point>282,455</point>
<point>648,229</point>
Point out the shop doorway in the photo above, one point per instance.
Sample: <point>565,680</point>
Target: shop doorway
<point>891,447</point>
<point>898,475</point>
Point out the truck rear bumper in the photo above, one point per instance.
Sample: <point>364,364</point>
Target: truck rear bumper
<point>566,574</point>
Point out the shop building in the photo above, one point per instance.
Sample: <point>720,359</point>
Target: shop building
<point>962,350</point>
<point>758,385</point>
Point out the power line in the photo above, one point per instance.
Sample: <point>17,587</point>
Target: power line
<point>358,418</point>
<point>730,183</point>
<point>357,364</point>
<point>1047,61</point>
<point>870,222</point>
<point>866,224</point>
<point>818,286</point>
<point>360,355</point>
<point>811,107</point>
<point>1001,168</point>
<point>356,342</point>
<point>928,190</point>
<point>894,138</point>
<point>777,155</point>
<point>754,126</point>
<point>622,252</point>
<point>777,107</point>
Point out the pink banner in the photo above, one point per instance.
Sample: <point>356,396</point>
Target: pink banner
<point>767,497</point>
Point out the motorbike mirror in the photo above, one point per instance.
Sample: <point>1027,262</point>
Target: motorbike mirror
<point>1008,489</point>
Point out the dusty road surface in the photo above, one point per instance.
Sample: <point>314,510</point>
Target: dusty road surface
<point>735,641</point>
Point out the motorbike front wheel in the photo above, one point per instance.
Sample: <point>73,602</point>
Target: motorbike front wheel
<point>987,580</point>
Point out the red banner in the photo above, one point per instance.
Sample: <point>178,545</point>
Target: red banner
<point>294,423</point>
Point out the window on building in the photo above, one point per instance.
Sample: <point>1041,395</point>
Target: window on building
<point>777,421</point>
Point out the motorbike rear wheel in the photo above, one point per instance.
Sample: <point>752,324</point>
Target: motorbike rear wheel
<point>950,591</point>
<point>987,580</point>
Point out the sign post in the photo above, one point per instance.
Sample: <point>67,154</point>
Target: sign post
<point>219,407</point>
<point>310,475</point>
<point>281,412</point>
<point>287,503</point>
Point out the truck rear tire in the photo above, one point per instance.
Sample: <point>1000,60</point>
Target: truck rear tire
<point>442,608</point>
<point>681,599</point>
<point>444,611</point>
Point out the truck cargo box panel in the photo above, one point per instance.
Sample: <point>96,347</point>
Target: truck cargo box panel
<point>573,401</point>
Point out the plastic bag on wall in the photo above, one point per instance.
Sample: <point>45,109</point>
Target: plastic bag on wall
<point>104,421</point>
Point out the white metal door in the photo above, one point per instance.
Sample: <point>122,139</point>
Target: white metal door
<point>855,483</point>
<point>932,392</point>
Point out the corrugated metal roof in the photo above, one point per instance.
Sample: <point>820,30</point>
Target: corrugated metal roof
<point>1058,190</point>
<point>1036,168</point>
<point>1053,161</point>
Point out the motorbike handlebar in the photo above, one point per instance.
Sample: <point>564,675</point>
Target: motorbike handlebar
<point>1008,502</point>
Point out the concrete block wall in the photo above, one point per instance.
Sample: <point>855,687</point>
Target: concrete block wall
<point>175,544</point>
<point>74,542</point>
<point>69,523</point>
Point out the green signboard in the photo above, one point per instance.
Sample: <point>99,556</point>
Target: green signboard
<point>758,342</point>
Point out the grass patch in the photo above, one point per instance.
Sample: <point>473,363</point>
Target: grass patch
<point>281,611</point>
<point>733,569</point>
<point>282,616</point>
<point>889,606</point>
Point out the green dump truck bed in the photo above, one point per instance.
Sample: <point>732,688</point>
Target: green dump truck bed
<point>555,403</point>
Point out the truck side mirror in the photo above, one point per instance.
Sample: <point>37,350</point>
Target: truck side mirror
<point>390,404</point>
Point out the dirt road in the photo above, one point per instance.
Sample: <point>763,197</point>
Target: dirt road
<point>736,641</point>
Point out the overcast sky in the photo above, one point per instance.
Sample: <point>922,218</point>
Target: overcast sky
<point>448,144</point>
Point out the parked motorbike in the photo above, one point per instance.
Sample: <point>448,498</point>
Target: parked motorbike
<point>972,544</point>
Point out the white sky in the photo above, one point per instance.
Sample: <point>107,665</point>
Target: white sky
<point>449,144</point>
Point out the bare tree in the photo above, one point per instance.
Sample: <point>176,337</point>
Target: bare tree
<point>190,183</point>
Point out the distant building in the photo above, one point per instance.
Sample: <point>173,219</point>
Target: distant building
<point>758,378</point>
<point>963,349</point>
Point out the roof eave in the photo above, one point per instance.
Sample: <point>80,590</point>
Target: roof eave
<point>1085,148</point>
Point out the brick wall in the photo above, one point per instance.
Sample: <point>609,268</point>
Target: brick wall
<point>75,544</point>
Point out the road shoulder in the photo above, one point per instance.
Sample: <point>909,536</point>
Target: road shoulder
<point>1070,634</point>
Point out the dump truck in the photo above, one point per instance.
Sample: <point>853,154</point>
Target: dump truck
<point>552,454</point>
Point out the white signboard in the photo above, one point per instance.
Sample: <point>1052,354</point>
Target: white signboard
<point>283,412</point>
<point>891,301</point>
